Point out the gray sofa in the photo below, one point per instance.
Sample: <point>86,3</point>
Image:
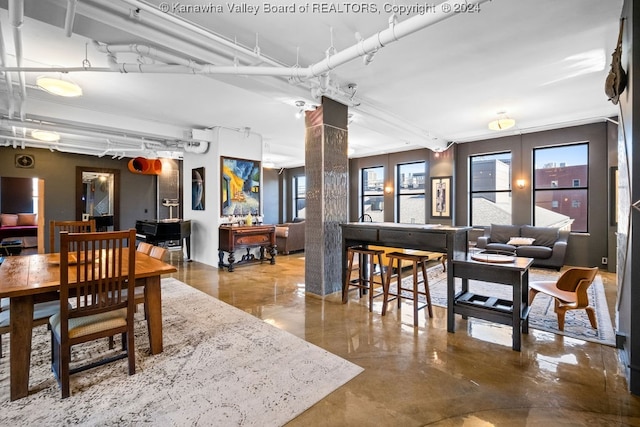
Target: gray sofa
<point>546,245</point>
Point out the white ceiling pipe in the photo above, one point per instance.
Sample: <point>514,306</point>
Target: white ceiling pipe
<point>154,11</point>
<point>166,35</point>
<point>83,132</point>
<point>69,17</point>
<point>16,13</point>
<point>7,76</point>
<point>146,51</point>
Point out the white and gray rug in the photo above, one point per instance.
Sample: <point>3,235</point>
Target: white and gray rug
<point>541,316</point>
<point>220,367</point>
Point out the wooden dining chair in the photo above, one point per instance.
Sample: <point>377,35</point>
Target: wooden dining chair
<point>156,252</point>
<point>94,277</point>
<point>41,313</point>
<point>55,227</point>
<point>144,247</point>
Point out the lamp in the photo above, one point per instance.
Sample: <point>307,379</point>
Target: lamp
<point>521,183</point>
<point>58,87</point>
<point>45,135</point>
<point>300,105</point>
<point>502,123</point>
<point>388,189</point>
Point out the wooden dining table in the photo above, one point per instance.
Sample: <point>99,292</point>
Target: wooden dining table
<point>30,279</point>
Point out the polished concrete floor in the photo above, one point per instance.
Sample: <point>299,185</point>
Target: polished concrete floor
<point>425,375</point>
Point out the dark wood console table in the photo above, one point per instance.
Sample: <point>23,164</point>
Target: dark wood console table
<point>514,312</point>
<point>453,241</point>
<point>233,237</point>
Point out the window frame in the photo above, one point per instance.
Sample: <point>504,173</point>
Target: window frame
<point>405,192</point>
<point>473,192</point>
<point>296,197</point>
<point>367,192</point>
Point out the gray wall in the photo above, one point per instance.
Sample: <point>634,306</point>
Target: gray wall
<point>585,249</point>
<point>58,170</point>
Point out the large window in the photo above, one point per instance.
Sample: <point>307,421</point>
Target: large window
<point>561,186</point>
<point>490,189</point>
<point>372,193</point>
<point>300,193</point>
<point>410,200</point>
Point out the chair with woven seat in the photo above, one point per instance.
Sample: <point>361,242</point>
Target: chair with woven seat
<point>569,293</point>
<point>41,313</point>
<point>101,268</point>
<point>418,263</point>
<point>366,281</point>
<point>55,227</point>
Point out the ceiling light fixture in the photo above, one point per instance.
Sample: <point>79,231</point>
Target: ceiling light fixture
<point>58,87</point>
<point>45,135</point>
<point>502,123</point>
<point>300,105</point>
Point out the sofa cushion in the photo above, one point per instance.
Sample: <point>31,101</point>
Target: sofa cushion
<point>521,241</point>
<point>502,247</point>
<point>502,233</point>
<point>27,219</point>
<point>9,220</point>
<point>545,236</point>
<point>540,252</point>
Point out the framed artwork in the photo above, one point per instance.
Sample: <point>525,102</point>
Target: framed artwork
<point>240,181</point>
<point>197,189</point>
<point>441,197</point>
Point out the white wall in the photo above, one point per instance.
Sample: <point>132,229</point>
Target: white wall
<point>204,223</point>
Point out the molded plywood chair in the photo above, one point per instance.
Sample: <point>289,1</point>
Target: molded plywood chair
<point>93,275</point>
<point>569,292</point>
<point>55,227</point>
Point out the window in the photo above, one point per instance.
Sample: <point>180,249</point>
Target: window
<point>561,186</point>
<point>490,189</point>
<point>410,201</point>
<point>300,193</point>
<point>372,193</point>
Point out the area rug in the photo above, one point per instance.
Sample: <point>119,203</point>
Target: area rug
<point>541,316</point>
<point>220,367</point>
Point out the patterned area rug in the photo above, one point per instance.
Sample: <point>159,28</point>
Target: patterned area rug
<point>542,316</point>
<point>220,366</point>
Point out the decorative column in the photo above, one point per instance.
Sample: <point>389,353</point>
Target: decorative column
<point>327,175</point>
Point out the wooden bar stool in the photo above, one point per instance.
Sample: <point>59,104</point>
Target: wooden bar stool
<point>418,261</point>
<point>368,278</point>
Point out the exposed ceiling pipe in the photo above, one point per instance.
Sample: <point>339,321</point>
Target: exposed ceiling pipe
<point>16,13</point>
<point>154,11</point>
<point>69,17</point>
<point>7,76</point>
<point>122,139</point>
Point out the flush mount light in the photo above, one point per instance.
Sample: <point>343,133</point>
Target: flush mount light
<point>502,123</point>
<point>58,87</point>
<point>45,135</point>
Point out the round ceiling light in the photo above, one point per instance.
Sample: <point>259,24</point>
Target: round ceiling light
<point>58,86</point>
<point>45,135</point>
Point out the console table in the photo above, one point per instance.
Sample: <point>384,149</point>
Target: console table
<point>452,241</point>
<point>233,237</point>
<point>514,312</point>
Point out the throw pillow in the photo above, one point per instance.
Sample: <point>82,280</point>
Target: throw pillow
<point>521,241</point>
<point>27,219</point>
<point>9,220</point>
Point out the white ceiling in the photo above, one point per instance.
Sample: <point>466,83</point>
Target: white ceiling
<point>543,62</point>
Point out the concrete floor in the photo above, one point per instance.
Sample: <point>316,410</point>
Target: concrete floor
<point>425,375</point>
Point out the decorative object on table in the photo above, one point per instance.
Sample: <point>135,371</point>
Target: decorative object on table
<point>143,166</point>
<point>493,256</point>
<point>441,197</point>
<point>240,186</point>
<point>197,189</point>
<point>220,366</point>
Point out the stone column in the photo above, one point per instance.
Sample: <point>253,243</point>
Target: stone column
<point>327,174</point>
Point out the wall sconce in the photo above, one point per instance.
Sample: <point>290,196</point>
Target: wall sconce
<point>388,189</point>
<point>521,183</point>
